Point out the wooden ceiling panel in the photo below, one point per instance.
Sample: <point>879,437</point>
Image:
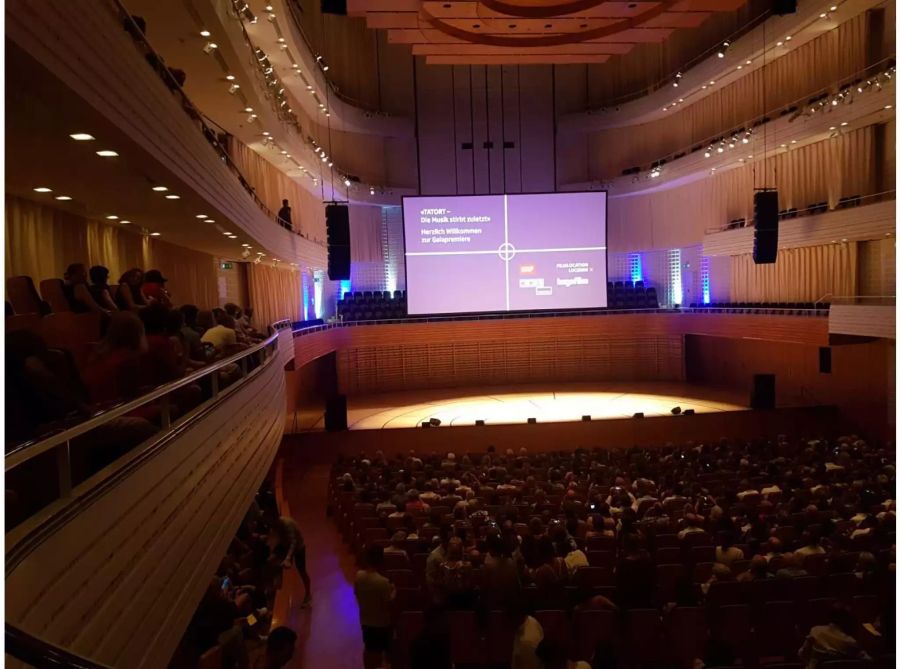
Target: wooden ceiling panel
<point>547,31</point>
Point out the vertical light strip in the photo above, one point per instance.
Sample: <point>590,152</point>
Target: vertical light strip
<point>675,292</point>
<point>635,267</point>
<point>506,241</point>
<point>305,290</point>
<point>704,278</point>
<point>317,291</point>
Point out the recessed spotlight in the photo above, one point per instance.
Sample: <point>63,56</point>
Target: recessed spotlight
<point>205,33</point>
<point>706,154</point>
<point>154,234</point>
<point>210,47</point>
<point>42,189</point>
<point>202,216</point>
<point>124,222</point>
<point>747,62</point>
<point>712,83</point>
<point>81,137</point>
<point>844,123</point>
<point>229,77</point>
<point>246,246</point>
<point>112,217</point>
<point>793,141</point>
<point>740,67</point>
<point>107,153</point>
<point>347,183</point>
<point>227,234</point>
<point>888,106</point>
<point>832,128</point>
<point>823,15</point>
<point>62,198</point>
<point>160,189</point>
<point>173,197</point>
<point>833,8</point>
<point>788,38</point>
<point>209,220</point>
<point>265,133</point>
<point>248,110</point>
<point>779,43</point>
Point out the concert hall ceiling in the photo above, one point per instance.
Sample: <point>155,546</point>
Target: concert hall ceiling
<point>522,32</point>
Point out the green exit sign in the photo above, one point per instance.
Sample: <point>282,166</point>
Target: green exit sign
<point>227,265</point>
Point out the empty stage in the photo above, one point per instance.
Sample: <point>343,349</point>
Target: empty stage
<point>553,403</point>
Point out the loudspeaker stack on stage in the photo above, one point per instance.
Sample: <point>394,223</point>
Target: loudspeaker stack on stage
<point>337,227</point>
<point>765,226</point>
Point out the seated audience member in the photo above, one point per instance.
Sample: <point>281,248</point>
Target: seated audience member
<point>190,332</point>
<point>500,582</point>
<point>791,567</point>
<point>175,330</point>
<point>811,544</point>
<point>100,289</point>
<point>527,638</point>
<point>154,288</point>
<point>161,357</point>
<point>114,371</point>
<point>222,337</point>
<point>374,595</point>
<point>720,573</point>
<point>279,649</point>
<point>455,577</point>
<point>834,641</point>
<point>128,295</point>
<point>758,571</point>
<point>213,624</point>
<point>693,524</point>
<point>414,504</point>
<point>75,290</point>
<point>726,553</point>
<point>635,576</point>
<point>241,326</point>
<point>398,543</point>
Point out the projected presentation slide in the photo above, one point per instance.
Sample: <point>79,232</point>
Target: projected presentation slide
<point>494,253</point>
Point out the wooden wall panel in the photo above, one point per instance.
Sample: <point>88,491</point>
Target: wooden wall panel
<point>118,581</point>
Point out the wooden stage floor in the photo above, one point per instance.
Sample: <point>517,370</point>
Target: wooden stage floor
<point>548,403</point>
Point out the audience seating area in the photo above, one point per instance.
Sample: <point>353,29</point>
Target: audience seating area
<point>725,553</point>
<point>372,305</point>
<point>790,308</point>
<point>631,295</point>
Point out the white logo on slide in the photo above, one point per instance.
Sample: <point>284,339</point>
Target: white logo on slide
<point>506,251</point>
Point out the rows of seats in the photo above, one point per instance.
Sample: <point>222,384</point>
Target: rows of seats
<point>773,307</point>
<point>631,295</point>
<point>793,212</point>
<point>372,305</point>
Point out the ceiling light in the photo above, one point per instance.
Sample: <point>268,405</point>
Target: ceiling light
<point>62,198</point>
<point>832,128</point>
<point>844,123</point>
<point>703,87</point>
<point>654,173</point>
<point>209,220</point>
<point>723,49</point>
<point>229,77</point>
<point>202,216</point>
<point>823,15</point>
<point>233,88</point>
<point>246,246</point>
<point>210,47</point>
<point>107,153</point>
<point>227,234</point>
<point>42,189</point>
<point>833,8</point>
<point>793,141</point>
<point>347,183</point>
<point>172,196</point>
<point>707,154</point>
<point>81,137</point>
<point>249,110</point>
<point>124,222</point>
<point>154,234</point>
<point>720,150</point>
<point>112,217</point>
<point>788,38</point>
<point>746,140</point>
<point>712,83</point>
<point>371,190</point>
<point>205,33</point>
<point>779,43</point>
<point>265,133</point>
<point>160,189</point>
<point>888,106</point>
<point>740,67</point>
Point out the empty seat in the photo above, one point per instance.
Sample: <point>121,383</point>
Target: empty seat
<point>23,296</point>
<point>686,633</point>
<point>643,636</point>
<point>556,627</point>
<point>591,629</point>
<point>52,292</point>
<point>23,322</point>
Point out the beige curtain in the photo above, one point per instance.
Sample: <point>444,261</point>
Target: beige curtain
<point>365,234</point>
<point>803,274</point>
<point>42,241</point>
<point>825,171</point>
<point>272,186</point>
<point>276,293</point>
<point>834,55</point>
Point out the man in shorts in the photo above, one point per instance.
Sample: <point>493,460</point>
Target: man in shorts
<point>374,594</point>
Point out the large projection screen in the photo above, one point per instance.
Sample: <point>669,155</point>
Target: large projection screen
<point>496,253</point>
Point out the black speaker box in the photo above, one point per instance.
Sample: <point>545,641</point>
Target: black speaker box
<point>336,413</point>
<point>337,228</point>
<point>825,360</point>
<point>337,7</point>
<point>765,226</point>
<point>782,7</point>
<point>763,395</point>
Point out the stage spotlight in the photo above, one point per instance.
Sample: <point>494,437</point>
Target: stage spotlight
<point>479,422</point>
<point>688,412</point>
<point>586,418</point>
<point>676,411</point>
<point>639,414</point>
<point>532,420</point>
<point>435,422</point>
<point>723,49</point>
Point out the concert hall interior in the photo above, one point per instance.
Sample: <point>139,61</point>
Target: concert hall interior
<point>483,333</point>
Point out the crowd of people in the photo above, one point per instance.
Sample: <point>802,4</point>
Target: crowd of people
<point>146,341</point>
<point>234,617</point>
<point>517,532</point>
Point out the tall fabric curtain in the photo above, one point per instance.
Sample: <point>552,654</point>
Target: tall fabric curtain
<point>365,234</point>
<point>833,56</point>
<point>42,241</point>
<point>824,171</point>
<point>272,186</point>
<point>275,294</point>
<point>804,274</point>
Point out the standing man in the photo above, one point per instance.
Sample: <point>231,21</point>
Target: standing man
<point>287,542</point>
<point>284,215</point>
<point>374,594</point>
